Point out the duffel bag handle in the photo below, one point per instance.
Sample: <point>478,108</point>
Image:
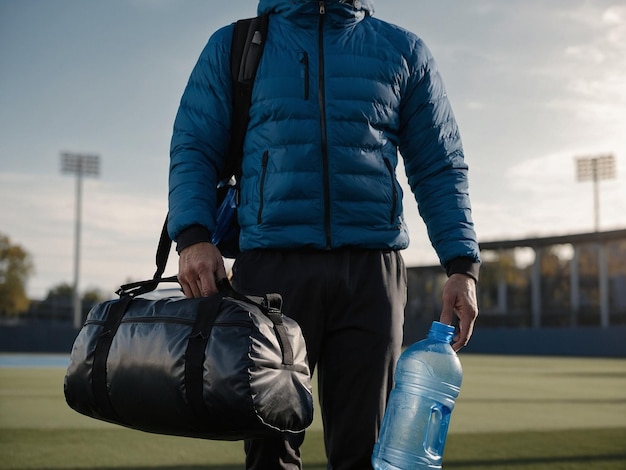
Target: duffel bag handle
<point>134,289</point>
<point>270,304</point>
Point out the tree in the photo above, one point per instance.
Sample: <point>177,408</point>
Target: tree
<point>65,291</point>
<point>60,291</point>
<point>16,267</point>
<point>92,296</point>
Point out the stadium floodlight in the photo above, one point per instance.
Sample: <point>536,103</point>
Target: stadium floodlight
<point>596,168</point>
<point>80,165</point>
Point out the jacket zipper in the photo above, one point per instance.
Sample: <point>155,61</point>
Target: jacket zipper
<point>322,104</point>
<point>266,155</point>
<point>304,60</point>
<point>394,189</point>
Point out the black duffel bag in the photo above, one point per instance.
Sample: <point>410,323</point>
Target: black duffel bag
<point>225,367</point>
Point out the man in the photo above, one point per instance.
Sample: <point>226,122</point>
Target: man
<point>337,94</point>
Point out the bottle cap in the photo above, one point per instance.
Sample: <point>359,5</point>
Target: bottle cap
<point>441,332</point>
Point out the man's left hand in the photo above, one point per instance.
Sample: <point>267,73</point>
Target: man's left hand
<point>459,299</point>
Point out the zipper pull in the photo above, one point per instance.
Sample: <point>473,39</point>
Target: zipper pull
<point>322,7</point>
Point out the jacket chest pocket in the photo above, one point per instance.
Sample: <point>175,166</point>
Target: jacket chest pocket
<point>304,73</point>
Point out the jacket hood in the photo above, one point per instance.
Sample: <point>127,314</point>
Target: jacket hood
<point>288,6</point>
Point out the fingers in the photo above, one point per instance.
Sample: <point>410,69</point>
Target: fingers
<point>198,287</point>
<point>199,266</point>
<point>447,311</point>
<point>191,282</point>
<point>459,302</point>
<point>466,328</point>
<point>207,284</point>
<point>220,272</point>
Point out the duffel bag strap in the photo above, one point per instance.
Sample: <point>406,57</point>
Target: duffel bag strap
<point>134,289</point>
<point>271,305</point>
<point>101,353</point>
<point>194,354</point>
<point>112,322</point>
<point>281,333</point>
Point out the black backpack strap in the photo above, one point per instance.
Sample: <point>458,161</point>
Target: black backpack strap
<point>246,49</point>
<point>245,54</point>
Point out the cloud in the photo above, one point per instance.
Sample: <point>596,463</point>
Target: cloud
<point>547,198</point>
<point>120,229</point>
<point>533,84</point>
<point>615,19</point>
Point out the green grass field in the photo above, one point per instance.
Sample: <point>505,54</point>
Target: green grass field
<point>513,413</point>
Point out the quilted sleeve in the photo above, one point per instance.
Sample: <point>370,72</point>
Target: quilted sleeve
<point>431,146</point>
<point>200,138</point>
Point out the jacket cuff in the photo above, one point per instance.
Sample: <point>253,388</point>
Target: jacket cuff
<point>192,235</point>
<point>463,265</point>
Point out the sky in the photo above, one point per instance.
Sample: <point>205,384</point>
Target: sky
<point>534,84</point>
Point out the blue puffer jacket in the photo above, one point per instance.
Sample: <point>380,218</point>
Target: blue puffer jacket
<point>337,94</point>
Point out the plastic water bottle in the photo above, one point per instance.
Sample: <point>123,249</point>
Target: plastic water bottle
<point>427,381</point>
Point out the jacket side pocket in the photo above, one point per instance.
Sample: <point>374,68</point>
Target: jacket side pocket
<point>264,161</point>
<point>394,190</point>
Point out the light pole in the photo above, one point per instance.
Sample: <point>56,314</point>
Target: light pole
<point>600,167</point>
<point>79,165</point>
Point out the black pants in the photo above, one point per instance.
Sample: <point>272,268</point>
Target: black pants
<point>350,306</point>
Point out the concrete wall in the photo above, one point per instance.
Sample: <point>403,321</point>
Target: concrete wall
<point>582,341</point>
<point>39,337</point>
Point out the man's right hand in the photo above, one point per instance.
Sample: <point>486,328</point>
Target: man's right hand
<point>200,266</point>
